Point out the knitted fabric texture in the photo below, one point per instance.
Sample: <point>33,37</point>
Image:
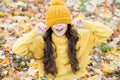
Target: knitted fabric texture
<point>58,13</point>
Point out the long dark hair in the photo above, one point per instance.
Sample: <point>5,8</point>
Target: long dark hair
<point>49,59</point>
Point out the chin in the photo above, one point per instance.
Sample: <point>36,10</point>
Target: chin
<point>59,35</point>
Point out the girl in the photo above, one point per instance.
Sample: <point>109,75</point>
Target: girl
<point>62,52</point>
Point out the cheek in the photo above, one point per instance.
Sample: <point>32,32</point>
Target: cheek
<point>53,29</point>
<point>65,28</point>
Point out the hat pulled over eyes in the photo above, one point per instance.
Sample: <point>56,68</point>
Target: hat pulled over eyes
<point>58,13</point>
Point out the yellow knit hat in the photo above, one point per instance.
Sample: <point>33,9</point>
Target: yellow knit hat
<point>58,13</point>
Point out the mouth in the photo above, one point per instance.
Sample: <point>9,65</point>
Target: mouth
<point>59,30</point>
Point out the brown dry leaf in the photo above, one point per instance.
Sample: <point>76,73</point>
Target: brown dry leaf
<point>1,60</point>
<point>6,47</point>
<point>116,33</point>
<point>19,69</point>
<point>8,78</point>
<point>84,79</point>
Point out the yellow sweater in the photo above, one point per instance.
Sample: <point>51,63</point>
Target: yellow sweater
<point>32,44</point>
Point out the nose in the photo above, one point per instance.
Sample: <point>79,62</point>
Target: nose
<point>58,24</point>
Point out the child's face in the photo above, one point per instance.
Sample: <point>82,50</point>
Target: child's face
<point>59,29</point>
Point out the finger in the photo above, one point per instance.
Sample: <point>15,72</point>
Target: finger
<point>39,28</point>
<point>46,28</point>
<point>78,22</point>
<point>82,20</point>
<point>72,22</point>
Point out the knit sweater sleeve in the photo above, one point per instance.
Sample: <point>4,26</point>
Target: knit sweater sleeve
<point>92,34</point>
<point>26,45</point>
<point>98,32</point>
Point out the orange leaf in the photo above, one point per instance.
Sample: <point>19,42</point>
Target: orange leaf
<point>6,60</point>
<point>9,15</point>
<point>11,73</point>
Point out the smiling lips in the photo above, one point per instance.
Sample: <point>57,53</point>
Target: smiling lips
<point>59,30</point>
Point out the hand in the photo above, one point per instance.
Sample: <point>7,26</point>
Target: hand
<point>41,28</point>
<point>78,22</point>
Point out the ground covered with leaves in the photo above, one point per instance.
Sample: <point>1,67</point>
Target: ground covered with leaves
<point>18,17</point>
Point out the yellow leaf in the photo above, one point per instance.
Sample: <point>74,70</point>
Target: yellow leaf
<point>29,14</point>
<point>35,66</point>
<point>7,3</point>
<point>89,61</point>
<point>115,49</point>
<point>27,75</point>
<point>2,14</point>
<point>109,52</point>
<point>37,74</point>
<point>119,26</point>
<point>80,16</point>
<point>108,14</point>
<point>92,51</point>
<point>106,68</point>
